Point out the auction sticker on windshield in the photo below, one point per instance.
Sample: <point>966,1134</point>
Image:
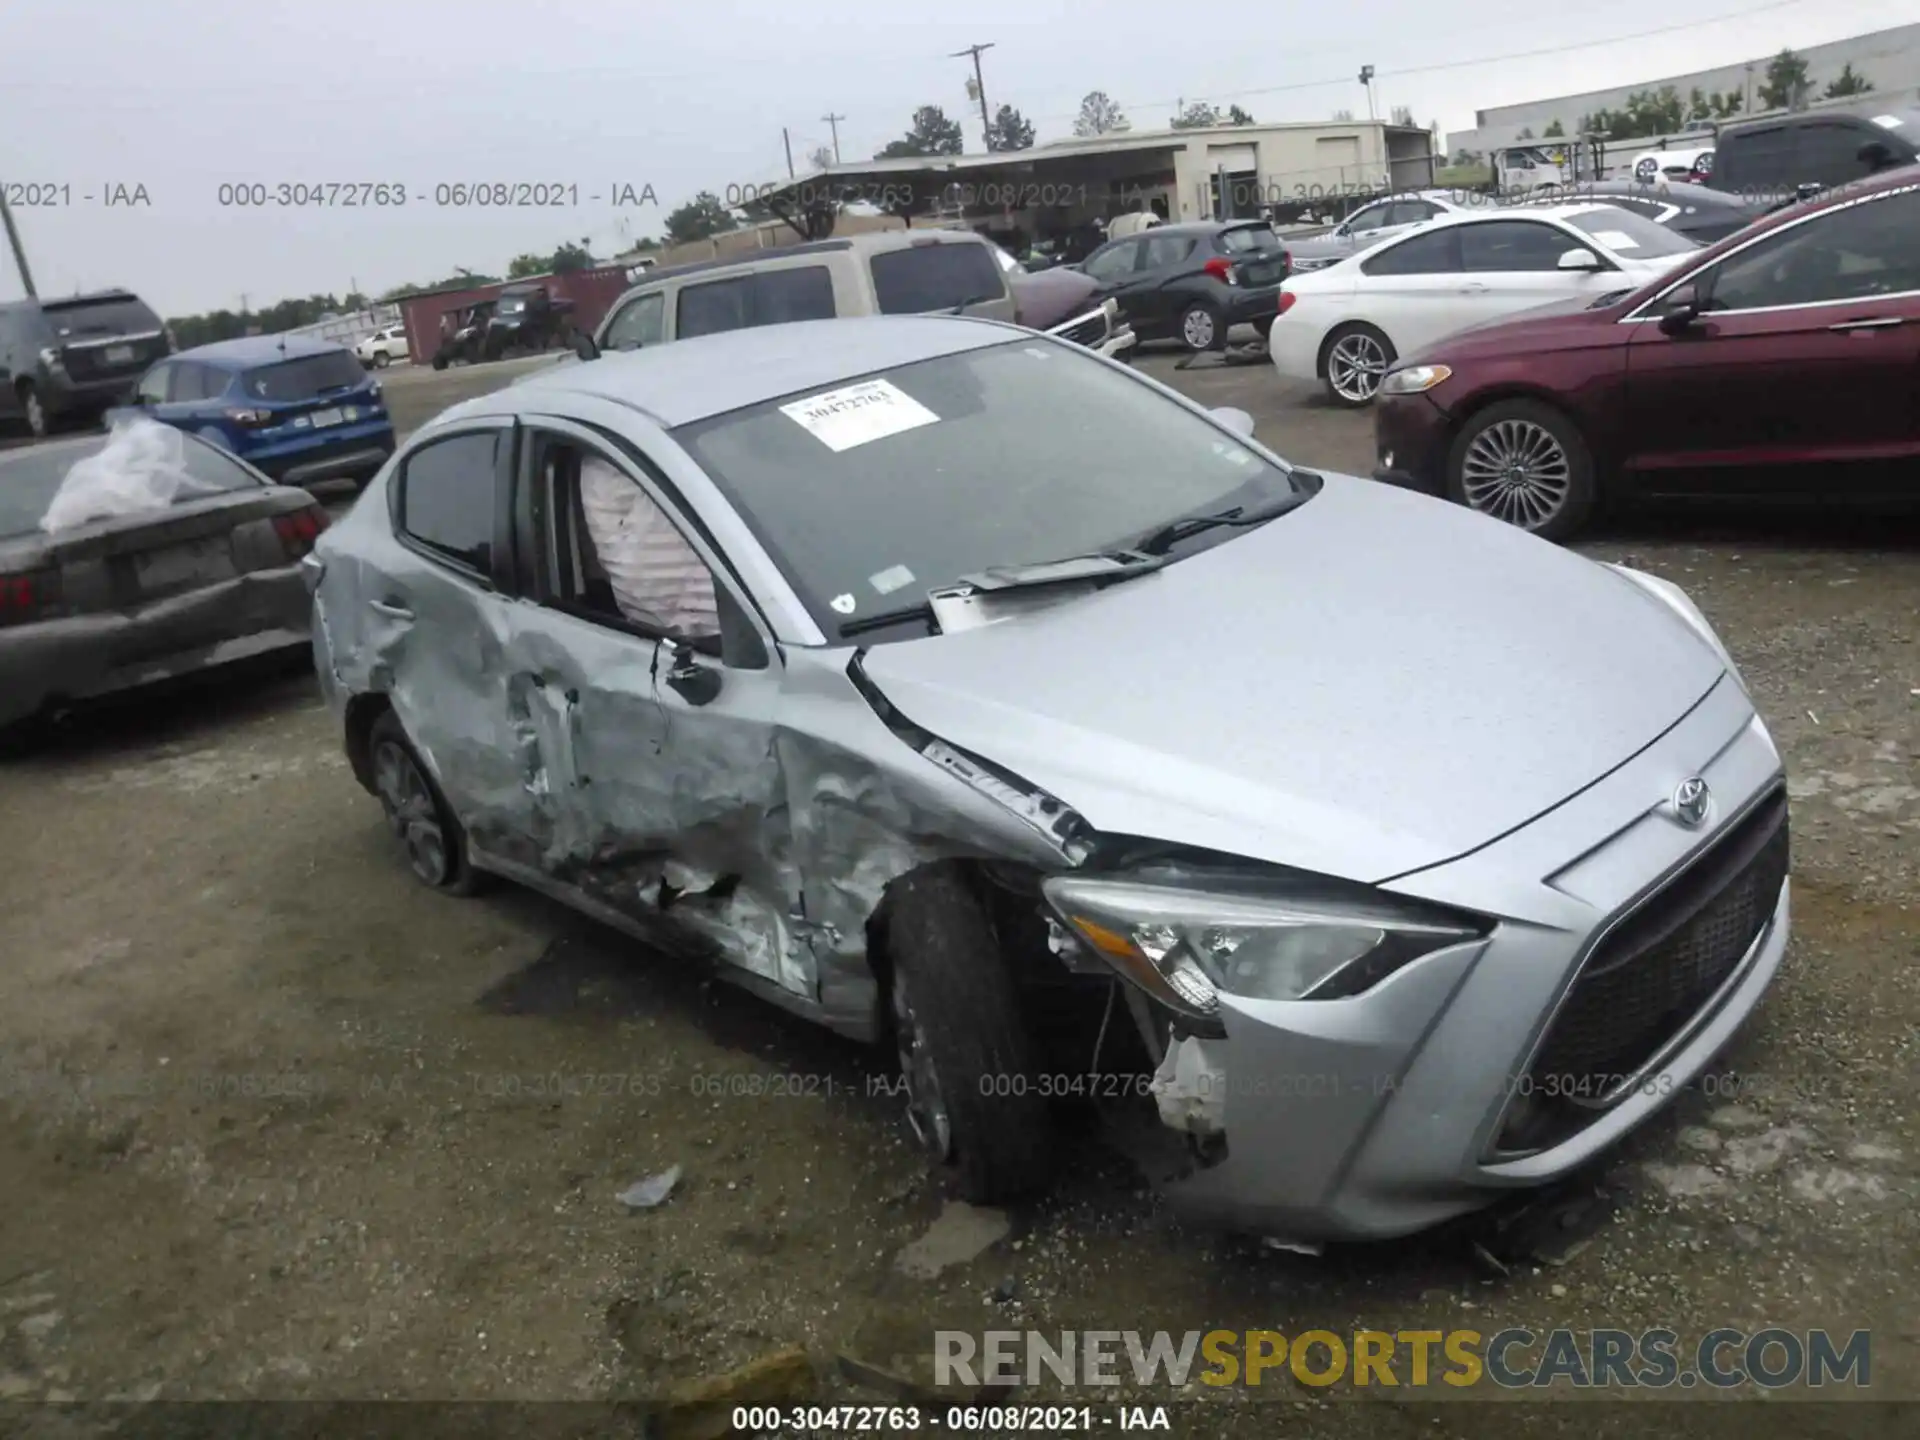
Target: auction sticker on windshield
<point>1616,240</point>
<point>859,414</point>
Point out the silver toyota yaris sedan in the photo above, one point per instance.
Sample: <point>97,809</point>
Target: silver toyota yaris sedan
<point>953,686</point>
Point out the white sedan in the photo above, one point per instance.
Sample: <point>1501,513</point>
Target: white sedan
<point>1348,323</point>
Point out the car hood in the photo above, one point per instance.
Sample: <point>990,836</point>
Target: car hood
<point>1558,325</point>
<point>1370,685</point>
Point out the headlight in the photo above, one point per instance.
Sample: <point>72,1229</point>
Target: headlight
<point>1414,379</point>
<point>1186,946</point>
<point>1677,600</point>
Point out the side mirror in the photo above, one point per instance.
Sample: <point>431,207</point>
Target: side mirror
<point>1680,309</point>
<point>1580,258</point>
<point>693,682</point>
<point>1238,421</point>
<point>584,347</point>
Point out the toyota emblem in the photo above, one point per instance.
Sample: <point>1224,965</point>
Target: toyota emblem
<point>1691,799</point>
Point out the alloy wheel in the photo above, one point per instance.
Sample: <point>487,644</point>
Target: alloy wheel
<point>410,809</point>
<point>1197,329</point>
<point>1516,471</point>
<point>926,1108</point>
<point>1355,365</point>
<point>36,412</point>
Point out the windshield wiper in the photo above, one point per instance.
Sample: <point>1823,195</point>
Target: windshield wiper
<point>1102,567</point>
<point>1158,541</point>
<point>884,618</point>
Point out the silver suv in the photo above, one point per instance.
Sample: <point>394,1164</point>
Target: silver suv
<point>905,272</point>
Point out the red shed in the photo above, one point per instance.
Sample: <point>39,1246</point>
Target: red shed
<point>592,292</point>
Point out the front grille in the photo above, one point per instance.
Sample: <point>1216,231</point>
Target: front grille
<point>1653,972</point>
<point>1089,330</point>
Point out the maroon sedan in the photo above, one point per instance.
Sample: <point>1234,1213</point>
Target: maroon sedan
<point>1784,360</point>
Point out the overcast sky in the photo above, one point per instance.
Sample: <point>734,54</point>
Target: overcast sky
<point>181,96</point>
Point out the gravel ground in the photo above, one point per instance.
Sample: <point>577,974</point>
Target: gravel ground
<point>276,1123</point>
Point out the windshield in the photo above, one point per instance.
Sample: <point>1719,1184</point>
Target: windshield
<point>110,315</point>
<point>1249,238</point>
<point>874,491</point>
<point>306,377</point>
<point>30,478</point>
<point>1633,236</point>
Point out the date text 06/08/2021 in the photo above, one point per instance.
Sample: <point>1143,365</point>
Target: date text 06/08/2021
<point>861,1420</point>
<point>446,194</point>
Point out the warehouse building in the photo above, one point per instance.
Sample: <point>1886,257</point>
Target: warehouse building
<point>1217,171</point>
<point>1889,59</point>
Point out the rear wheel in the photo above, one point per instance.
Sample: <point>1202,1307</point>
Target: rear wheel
<point>380,361</point>
<point>962,1041</point>
<point>436,846</point>
<point>1525,463</point>
<point>1200,328</point>
<point>1356,360</point>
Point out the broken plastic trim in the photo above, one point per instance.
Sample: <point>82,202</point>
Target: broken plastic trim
<point>1061,826</point>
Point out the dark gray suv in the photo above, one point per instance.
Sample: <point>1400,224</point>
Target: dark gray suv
<point>75,358</point>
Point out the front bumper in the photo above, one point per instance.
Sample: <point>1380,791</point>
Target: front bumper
<point>1411,438</point>
<point>64,662</point>
<point>1381,1115</point>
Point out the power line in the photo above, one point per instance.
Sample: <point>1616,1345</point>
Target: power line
<point>1447,65</point>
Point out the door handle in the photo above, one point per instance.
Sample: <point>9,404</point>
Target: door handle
<point>1881,324</point>
<point>390,609</point>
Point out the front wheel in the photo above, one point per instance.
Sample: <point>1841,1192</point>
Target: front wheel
<point>439,362</point>
<point>973,1101</point>
<point>1356,361</point>
<point>1200,328</point>
<point>1525,463</point>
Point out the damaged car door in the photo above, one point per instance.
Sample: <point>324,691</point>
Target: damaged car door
<point>424,605</point>
<point>648,695</point>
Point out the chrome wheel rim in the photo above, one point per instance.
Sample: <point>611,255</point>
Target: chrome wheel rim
<point>411,812</point>
<point>1516,471</point>
<point>1355,365</point>
<point>1197,330</point>
<point>36,414</point>
<point>926,1109</point>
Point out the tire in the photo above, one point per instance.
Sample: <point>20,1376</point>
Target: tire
<point>1264,328</point>
<point>1200,328</point>
<point>34,411</point>
<point>958,1027</point>
<point>1355,358</point>
<point>1525,463</point>
<point>439,362</point>
<point>418,813</point>
<point>380,360</point>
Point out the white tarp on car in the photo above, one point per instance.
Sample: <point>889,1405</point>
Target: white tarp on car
<point>142,467</point>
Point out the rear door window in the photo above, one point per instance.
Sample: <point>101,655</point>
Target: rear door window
<point>194,381</point>
<point>447,499</point>
<point>1165,250</point>
<point>713,308</point>
<point>155,384</point>
<point>1114,262</point>
<point>941,276</point>
<point>802,292</point>
<point>1828,151</point>
<point>1434,253</point>
<point>1512,245</point>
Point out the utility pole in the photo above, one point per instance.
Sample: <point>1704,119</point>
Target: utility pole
<point>979,87</point>
<point>1366,79</point>
<point>787,141</point>
<point>833,121</point>
<point>19,250</point>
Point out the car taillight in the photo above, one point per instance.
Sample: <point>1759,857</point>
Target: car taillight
<point>250,417</point>
<point>299,529</point>
<point>29,597</point>
<point>1222,270</point>
<point>1284,301</point>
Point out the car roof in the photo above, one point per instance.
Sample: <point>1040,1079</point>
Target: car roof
<point>1908,115</point>
<point>1662,193</point>
<point>259,350</point>
<point>710,375</point>
<point>1195,227</point>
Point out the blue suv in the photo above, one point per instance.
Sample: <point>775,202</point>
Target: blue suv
<point>300,410</point>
